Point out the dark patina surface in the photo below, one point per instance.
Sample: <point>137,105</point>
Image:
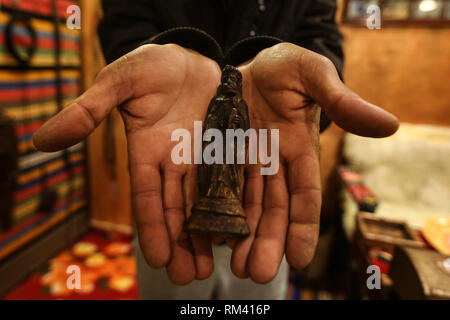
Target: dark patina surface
<point>219,211</point>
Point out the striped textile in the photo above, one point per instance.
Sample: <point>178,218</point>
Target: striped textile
<point>41,7</point>
<point>29,99</point>
<point>45,51</point>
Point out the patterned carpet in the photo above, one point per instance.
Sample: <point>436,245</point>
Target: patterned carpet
<point>107,267</point>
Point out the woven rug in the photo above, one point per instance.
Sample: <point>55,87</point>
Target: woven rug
<point>107,271</point>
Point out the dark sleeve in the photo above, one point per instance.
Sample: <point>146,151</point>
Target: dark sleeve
<point>129,24</point>
<point>125,24</point>
<point>318,32</point>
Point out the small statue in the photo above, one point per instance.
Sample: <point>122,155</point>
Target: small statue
<point>219,211</point>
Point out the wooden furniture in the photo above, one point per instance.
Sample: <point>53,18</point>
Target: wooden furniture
<point>107,147</point>
<point>376,239</point>
<point>385,234</point>
<point>419,273</point>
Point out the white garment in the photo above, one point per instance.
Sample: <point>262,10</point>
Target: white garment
<point>155,285</point>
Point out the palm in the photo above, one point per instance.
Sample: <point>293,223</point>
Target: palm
<point>275,104</point>
<point>281,86</point>
<point>179,104</point>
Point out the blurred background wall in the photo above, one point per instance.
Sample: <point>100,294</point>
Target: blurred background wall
<point>406,70</point>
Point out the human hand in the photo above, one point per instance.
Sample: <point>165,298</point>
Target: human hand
<point>281,86</point>
<point>158,89</point>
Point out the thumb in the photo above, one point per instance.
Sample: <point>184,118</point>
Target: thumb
<point>342,105</point>
<point>75,122</point>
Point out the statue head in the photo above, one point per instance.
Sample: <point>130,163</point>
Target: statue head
<point>231,81</point>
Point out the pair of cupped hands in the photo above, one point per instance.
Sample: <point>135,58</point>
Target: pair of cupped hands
<point>160,88</point>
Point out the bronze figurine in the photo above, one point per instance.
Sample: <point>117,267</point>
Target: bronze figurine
<point>219,211</point>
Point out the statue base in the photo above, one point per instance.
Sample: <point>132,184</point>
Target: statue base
<point>218,217</point>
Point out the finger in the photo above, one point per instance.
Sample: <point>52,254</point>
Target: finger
<point>204,263</point>
<point>148,212</point>
<point>181,267</point>
<point>76,122</point>
<point>201,245</point>
<point>268,247</point>
<point>231,242</point>
<point>342,105</point>
<point>305,202</point>
<point>253,198</point>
